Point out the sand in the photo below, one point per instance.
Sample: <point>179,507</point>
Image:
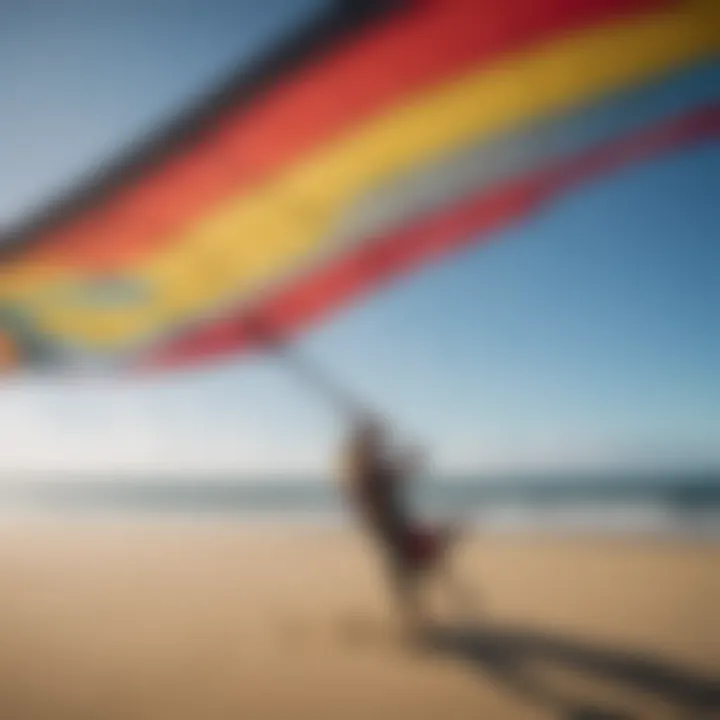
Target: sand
<point>209,620</point>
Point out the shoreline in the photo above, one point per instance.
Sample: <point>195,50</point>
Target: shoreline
<point>650,527</point>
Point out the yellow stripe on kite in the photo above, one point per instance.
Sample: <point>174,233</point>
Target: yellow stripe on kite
<point>244,241</point>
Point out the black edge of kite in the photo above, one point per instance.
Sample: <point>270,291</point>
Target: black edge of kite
<point>245,83</point>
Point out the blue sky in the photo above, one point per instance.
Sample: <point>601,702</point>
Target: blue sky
<point>585,338</point>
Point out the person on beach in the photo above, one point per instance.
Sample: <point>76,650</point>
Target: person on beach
<point>377,481</point>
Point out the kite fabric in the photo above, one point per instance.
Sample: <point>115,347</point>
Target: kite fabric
<point>379,137</point>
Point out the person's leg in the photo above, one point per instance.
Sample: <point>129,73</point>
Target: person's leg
<point>464,599</point>
<point>405,590</point>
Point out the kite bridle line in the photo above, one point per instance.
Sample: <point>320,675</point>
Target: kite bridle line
<point>312,374</point>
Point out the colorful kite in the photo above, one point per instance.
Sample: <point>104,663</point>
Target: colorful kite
<point>381,136</point>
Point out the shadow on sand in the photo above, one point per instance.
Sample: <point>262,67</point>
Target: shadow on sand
<point>517,658</point>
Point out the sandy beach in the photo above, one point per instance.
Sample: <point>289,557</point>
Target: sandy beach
<point>213,620</point>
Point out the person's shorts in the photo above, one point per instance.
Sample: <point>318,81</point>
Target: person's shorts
<point>422,547</point>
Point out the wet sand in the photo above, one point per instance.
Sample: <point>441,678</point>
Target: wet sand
<point>170,620</point>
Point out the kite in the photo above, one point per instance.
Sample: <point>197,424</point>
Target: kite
<point>376,138</point>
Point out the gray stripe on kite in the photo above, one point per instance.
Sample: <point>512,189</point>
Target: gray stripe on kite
<point>423,191</point>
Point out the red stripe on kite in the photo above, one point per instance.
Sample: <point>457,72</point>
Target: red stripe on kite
<point>471,221</point>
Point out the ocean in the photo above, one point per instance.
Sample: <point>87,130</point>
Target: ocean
<point>648,503</point>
